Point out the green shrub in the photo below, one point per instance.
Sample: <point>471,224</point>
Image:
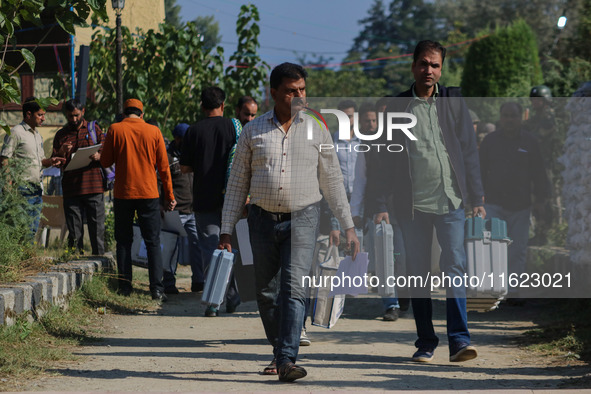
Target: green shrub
<point>15,222</point>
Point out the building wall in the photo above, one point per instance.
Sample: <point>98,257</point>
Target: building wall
<point>142,14</point>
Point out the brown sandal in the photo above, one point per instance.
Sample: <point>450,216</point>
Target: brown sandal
<point>270,369</point>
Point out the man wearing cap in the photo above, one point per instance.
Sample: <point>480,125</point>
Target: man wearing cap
<point>137,148</point>
<point>182,184</point>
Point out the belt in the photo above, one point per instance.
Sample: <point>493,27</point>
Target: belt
<point>275,216</point>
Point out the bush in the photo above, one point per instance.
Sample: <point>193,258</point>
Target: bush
<point>505,64</point>
<point>15,222</point>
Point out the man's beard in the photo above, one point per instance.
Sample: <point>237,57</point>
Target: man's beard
<point>75,125</point>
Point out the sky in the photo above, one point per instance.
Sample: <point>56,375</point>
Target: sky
<point>323,27</point>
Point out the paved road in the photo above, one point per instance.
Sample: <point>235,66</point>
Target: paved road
<point>177,349</point>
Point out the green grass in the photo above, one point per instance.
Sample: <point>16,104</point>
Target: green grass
<point>564,330</point>
<point>30,347</point>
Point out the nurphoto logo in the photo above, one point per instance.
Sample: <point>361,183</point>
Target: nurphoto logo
<point>345,134</point>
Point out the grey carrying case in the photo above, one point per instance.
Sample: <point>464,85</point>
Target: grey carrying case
<point>384,257</point>
<point>486,243</point>
<point>218,276</point>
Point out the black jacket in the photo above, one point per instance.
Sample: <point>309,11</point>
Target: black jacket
<point>391,183</point>
<point>513,169</point>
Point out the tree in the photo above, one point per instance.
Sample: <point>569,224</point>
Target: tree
<point>172,11</point>
<point>209,29</point>
<point>16,13</point>
<point>350,82</point>
<point>504,64</point>
<point>391,31</point>
<point>167,69</point>
<point>249,71</point>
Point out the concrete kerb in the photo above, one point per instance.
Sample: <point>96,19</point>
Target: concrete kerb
<point>40,291</point>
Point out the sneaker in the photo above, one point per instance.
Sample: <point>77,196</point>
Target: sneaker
<point>391,314</point>
<point>304,340</point>
<point>463,352</point>
<point>211,312</point>
<point>423,355</point>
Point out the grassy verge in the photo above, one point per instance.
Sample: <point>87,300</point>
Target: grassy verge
<point>28,348</point>
<point>564,330</point>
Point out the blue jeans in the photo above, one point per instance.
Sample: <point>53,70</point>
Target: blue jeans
<point>518,231</point>
<point>418,236</point>
<point>35,203</point>
<point>208,230</point>
<point>286,247</point>
<point>148,212</point>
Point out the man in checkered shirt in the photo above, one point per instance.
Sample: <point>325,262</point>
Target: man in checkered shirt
<point>280,163</point>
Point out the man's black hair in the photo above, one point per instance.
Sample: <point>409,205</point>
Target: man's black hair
<point>245,100</point>
<point>132,111</point>
<point>366,107</point>
<point>212,98</point>
<point>347,104</point>
<point>513,104</point>
<point>428,45</point>
<point>153,122</point>
<point>286,70</point>
<point>384,101</point>
<point>73,104</point>
<point>30,105</point>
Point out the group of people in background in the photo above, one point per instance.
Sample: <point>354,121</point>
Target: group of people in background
<point>213,169</point>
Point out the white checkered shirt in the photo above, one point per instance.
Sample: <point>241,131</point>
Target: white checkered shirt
<point>284,172</point>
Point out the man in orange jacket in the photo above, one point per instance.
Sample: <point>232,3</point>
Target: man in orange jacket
<point>137,148</point>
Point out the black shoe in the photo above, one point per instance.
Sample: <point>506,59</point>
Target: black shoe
<point>231,308</point>
<point>391,314</point>
<point>197,287</point>
<point>171,290</point>
<point>159,295</point>
<point>125,291</point>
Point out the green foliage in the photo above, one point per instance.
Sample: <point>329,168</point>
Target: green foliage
<point>209,30</point>
<point>15,13</point>
<point>15,222</point>
<point>166,69</point>
<point>109,228</point>
<point>504,64</point>
<point>352,82</point>
<point>246,76</point>
<point>564,77</point>
<point>391,30</point>
<point>172,11</point>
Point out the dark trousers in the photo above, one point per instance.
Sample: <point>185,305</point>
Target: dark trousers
<point>148,212</point>
<point>91,206</point>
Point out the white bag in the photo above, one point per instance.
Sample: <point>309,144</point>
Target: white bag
<point>326,310</point>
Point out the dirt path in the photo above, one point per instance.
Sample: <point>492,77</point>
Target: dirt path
<point>177,349</point>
